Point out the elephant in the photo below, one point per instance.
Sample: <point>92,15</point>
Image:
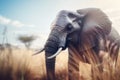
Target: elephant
<point>85,29</point>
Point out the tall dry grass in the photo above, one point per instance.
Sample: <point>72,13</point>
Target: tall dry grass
<point>19,64</point>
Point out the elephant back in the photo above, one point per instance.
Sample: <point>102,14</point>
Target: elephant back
<point>97,16</point>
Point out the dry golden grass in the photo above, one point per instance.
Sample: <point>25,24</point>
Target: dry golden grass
<point>19,64</point>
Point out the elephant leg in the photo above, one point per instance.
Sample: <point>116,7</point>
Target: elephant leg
<point>50,69</point>
<point>73,68</point>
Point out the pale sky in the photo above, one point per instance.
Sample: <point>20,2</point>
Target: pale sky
<point>34,17</point>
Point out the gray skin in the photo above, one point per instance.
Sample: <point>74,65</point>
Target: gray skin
<point>75,30</point>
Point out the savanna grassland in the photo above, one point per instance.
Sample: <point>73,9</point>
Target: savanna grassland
<point>19,64</point>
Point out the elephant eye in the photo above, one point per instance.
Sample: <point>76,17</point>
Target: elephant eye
<point>69,27</point>
<point>71,15</point>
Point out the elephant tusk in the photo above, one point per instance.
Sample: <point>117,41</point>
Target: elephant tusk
<point>59,50</point>
<point>41,50</point>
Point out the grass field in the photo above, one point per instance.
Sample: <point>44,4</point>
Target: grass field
<point>19,64</point>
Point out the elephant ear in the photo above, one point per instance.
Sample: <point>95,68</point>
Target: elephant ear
<point>96,25</point>
<point>98,17</point>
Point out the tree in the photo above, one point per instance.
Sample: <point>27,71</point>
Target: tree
<point>27,40</point>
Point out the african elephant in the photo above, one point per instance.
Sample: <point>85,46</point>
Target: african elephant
<point>86,29</point>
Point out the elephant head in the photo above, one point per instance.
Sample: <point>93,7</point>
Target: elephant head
<point>66,30</point>
<point>65,23</point>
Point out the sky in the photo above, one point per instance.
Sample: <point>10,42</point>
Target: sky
<point>34,17</point>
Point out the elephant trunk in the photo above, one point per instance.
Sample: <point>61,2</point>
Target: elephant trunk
<point>51,48</point>
<point>50,68</point>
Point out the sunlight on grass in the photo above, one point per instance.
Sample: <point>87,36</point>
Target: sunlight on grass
<point>19,64</point>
